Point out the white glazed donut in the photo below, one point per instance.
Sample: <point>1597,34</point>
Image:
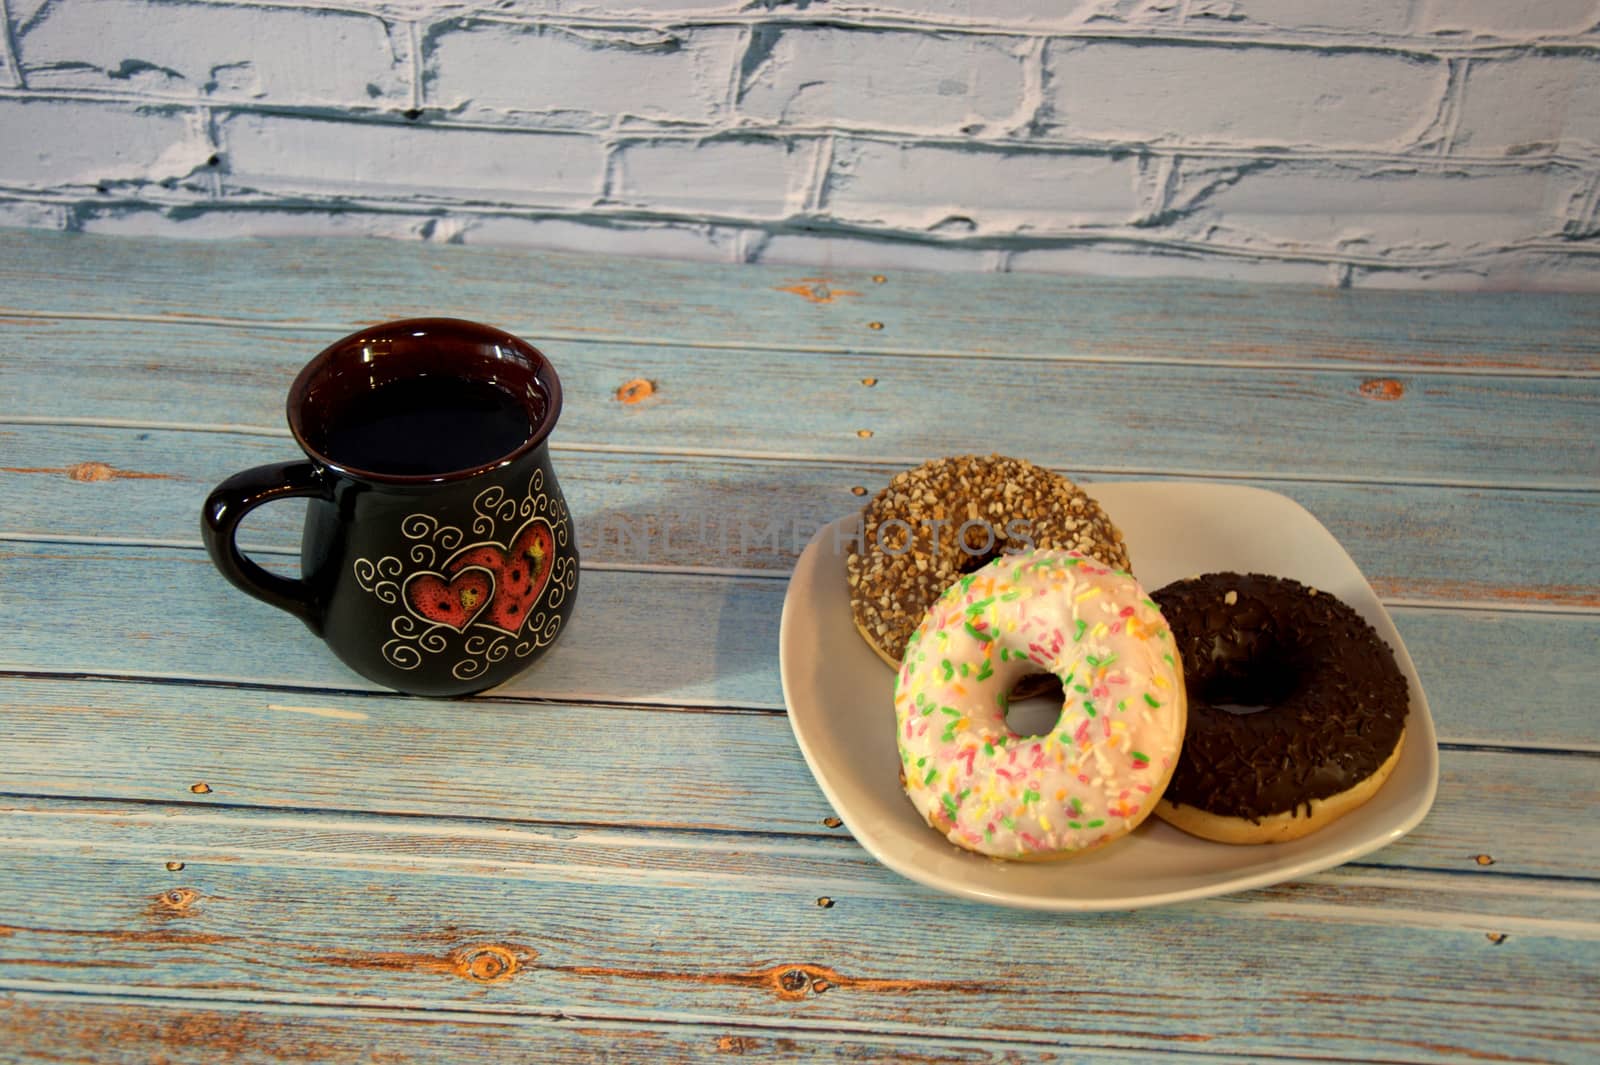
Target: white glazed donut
<point>1099,772</point>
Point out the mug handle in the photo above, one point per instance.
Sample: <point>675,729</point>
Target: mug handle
<point>227,505</point>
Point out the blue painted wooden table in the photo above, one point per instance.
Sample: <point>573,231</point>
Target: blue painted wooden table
<point>216,843</point>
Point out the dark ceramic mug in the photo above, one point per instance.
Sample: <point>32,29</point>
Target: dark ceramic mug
<point>438,556</point>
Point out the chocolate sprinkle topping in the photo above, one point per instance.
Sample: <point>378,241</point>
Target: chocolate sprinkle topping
<point>949,517</point>
<point>1334,701</point>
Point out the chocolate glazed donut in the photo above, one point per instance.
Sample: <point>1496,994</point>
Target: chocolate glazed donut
<point>1332,718</point>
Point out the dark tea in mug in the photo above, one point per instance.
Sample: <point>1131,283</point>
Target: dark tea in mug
<point>427,425</point>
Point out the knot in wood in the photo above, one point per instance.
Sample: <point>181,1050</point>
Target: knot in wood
<point>817,290</point>
<point>489,964</point>
<point>91,472</point>
<point>177,900</point>
<point>797,981</point>
<point>635,391</point>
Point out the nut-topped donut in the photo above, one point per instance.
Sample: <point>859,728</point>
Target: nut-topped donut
<point>946,518</point>
<point>1331,702</point>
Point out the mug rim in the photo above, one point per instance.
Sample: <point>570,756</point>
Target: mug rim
<point>543,372</point>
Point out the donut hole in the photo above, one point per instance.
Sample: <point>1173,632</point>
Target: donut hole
<point>1033,705</point>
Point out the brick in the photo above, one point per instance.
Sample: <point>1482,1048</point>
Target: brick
<point>1379,211</point>
<point>888,80</point>
<point>1033,13</point>
<point>592,235</point>
<point>294,156</point>
<point>31,214</point>
<point>919,187</point>
<point>1022,14</point>
<point>490,70</point>
<point>1529,104</point>
<point>1354,17</point>
<point>1519,270</point>
<point>219,221</point>
<point>835,252</point>
<point>71,144</point>
<point>1182,94</point>
<point>763,178</point>
<point>611,10</point>
<point>1475,18</point>
<point>1131,259</point>
<point>1549,271</point>
<point>226,52</point>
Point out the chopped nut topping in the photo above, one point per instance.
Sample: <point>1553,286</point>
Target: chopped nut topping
<point>947,517</point>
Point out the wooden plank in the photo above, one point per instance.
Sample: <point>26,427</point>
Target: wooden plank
<point>552,294</point>
<point>435,937</point>
<point>1544,700</point>
<point>187,622</point>
<point>1415,542</point>
<point>570,764</point>
<point>95,1029</point>
<point>563,763</point>
<point>195,837</point>
<point>1109,419</point>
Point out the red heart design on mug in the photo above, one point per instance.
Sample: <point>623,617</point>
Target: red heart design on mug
<point>454,602</point>
<point>521,573</point>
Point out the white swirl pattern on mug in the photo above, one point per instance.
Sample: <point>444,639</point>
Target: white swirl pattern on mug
<point>368,574</point>
<point>425,527</point>
<point>564,577</point>
<point>482,651</point>
<point>493,506</point>
<point>401,655</point>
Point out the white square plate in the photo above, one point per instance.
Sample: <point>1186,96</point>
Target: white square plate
<point>840,697</point>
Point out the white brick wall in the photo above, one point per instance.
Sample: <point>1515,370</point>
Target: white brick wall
<point>1505,18</point>
<point>755,179</point>
<point>302,158</point>
<point>500,71</point>
<point>1370,211</point>
<point>884,184</point>
<point>115,145</point>
<point>210,51</point>
<point>1374,142</point>
<point>1358,18</point>
<point>1246,97</point>
<point>910,81</point>
<point>1530,104</point>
